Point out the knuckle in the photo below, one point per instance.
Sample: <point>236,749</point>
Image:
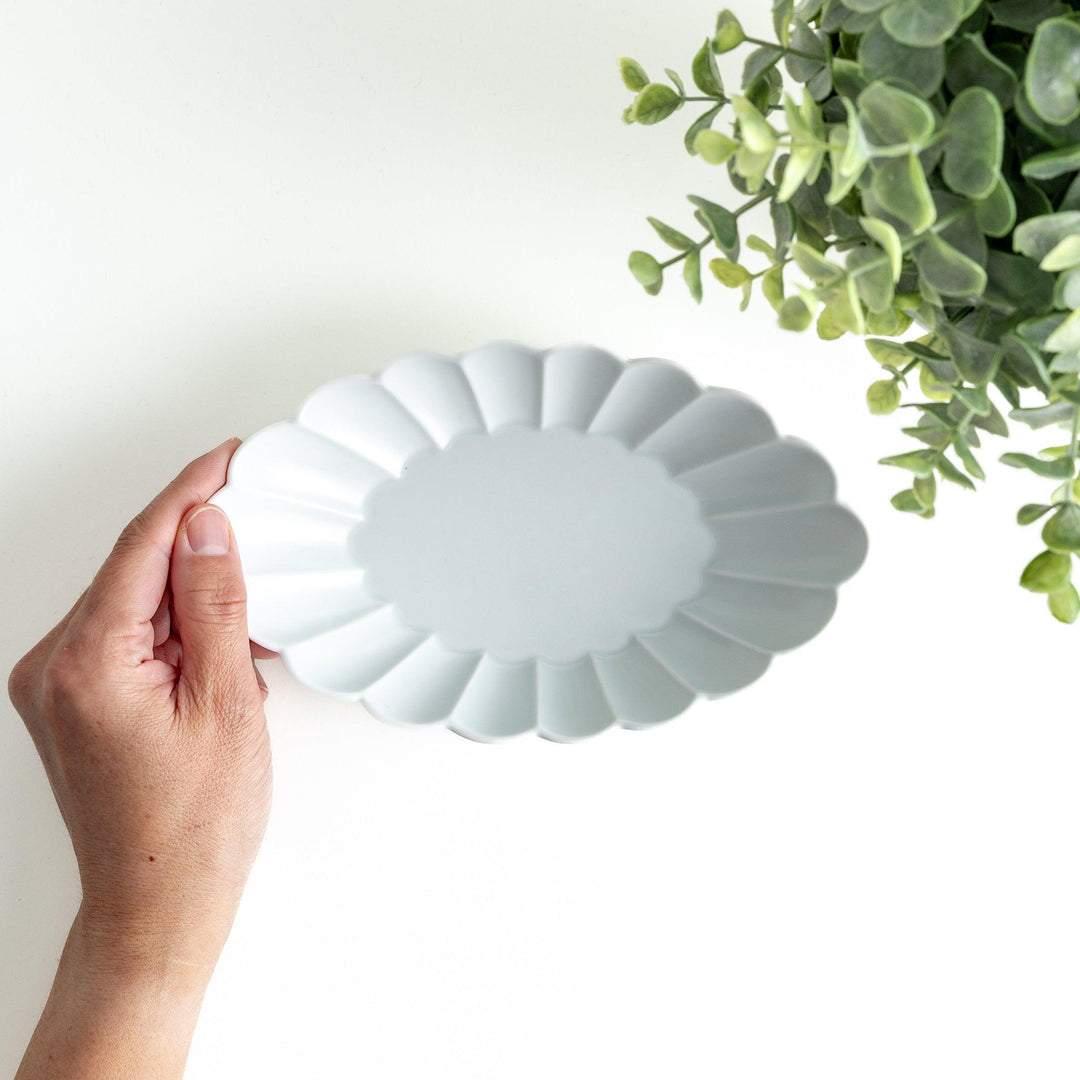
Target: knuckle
<point>133,532</point>
<point>20,681</point>
<point>223,601</point>
<point>60,680</point>
<point>226,705</point>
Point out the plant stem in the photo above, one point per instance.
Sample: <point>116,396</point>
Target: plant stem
<point>704,241</point>
<point>785,51</point>
<point>682,254</point>
<point>1074,438</point>
<point>751,204</point>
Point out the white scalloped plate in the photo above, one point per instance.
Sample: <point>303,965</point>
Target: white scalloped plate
<point>514,540</point>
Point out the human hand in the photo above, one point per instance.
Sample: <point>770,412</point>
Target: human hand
<point>146,709</point>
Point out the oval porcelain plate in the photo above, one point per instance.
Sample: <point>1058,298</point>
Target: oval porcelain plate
<point>514,540</point>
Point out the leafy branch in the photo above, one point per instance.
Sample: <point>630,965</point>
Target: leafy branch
<point>924,194</point>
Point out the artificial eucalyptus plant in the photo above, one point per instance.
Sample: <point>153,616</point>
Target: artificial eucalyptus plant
<point>928,175</point>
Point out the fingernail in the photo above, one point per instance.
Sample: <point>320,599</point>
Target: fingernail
<point>208,532</point>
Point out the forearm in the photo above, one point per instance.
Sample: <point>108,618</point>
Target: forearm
<point>111,1014</point>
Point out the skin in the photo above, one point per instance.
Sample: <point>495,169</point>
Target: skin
<point>147,711</point>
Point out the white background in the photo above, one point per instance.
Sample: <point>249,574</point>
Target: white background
<point>863,866</point>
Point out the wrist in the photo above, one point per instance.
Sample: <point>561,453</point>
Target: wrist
<point>117,1009</point>
<point>173,959</point>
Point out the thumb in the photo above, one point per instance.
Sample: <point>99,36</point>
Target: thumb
<point>210,608</point>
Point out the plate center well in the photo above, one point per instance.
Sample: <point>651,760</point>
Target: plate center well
<point>533,544</point>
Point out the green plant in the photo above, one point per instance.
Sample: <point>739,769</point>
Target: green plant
<point>929,175</point>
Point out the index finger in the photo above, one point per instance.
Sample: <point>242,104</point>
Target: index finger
<point>128,588</point>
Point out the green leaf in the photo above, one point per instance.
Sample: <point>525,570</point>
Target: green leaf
<point>842,140</point>
<point>703,123</point>
<point>1015,282</point>
<point>922,22</point>
<point>1066,363</point>
<point>772,286</point>
<point>814,265</point>
<point>1034,332</point>
<point>1062,531</point>
<point>794,314</point>
<point>976,360</point>
<point>1031,512</point>
<point>827,329</point>
<point>1067,290</point>
<point>933,435</point>
<point>764,92</point>
<point>846,307</point>
<point>729,273</point>
<point>881,56</point>
<point>757,135</point>
<point>883,397</point>
<point>899,184</point>
<point>752,166</point>
<point>645,268</point>
<point>1052,73</point>
<point>759,62</point>
<point>967,458</point>
<point>970,63</point>
<point>655,103</point>
<point>675,78</point>
<point>783,10</point>
<point>996,214</point>
<point>1025,15</point>
<point>919,462</point>
<point>671,237</point>
<point>893,117</point>
<point>974,139</point>
<point>722,225</point>
<point>705,72</point>
<point>1052,470</point>
<point>870,271</point>
<point>1058,413</point>
<point>783,220</point>
<point>892,322</point>
<point>729,32</point>
<point>974,398</point>
<point>747,292</point>
<point>887,353</point>
<point>925,489</point>
<point>867,5</point>
<point>762,247</point>
<point>805,44</point>
<point>947,270</point>
<point>1052,163</point>
<point>1038,236</point>
<point>1047,572</point>
<point>692,273</point>
<point>848,78</point>
<point>994,423</point>
<point>951,473</point>
<point>714,146</point>
<point>1064,604</point>
<point>934,388</point>
<point>633,74</point>
<point>907,502</point>
<point>1066,338</point>
<point>882,233</point>
<point>806,129</point>
<point>1064,256</point>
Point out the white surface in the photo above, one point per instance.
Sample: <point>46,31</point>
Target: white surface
<point>518,540</point>
<point>862,866</point>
